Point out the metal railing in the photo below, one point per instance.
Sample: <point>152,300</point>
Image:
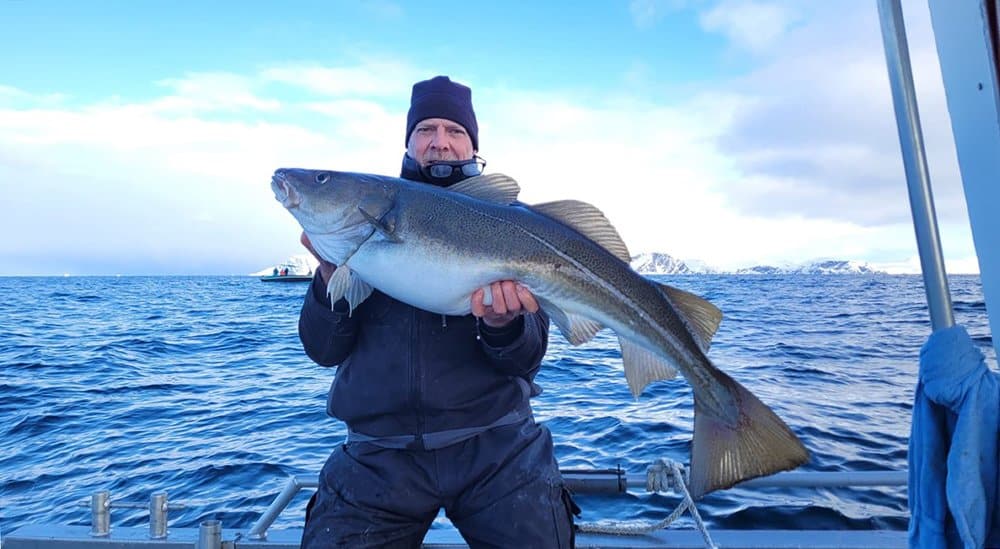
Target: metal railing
<point>579,481</point>
<point>616,481</point>
<point>101,504</point>
<point>100,513</point>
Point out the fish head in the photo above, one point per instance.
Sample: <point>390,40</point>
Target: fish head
<point>312,196</point>
<point>333,208</point>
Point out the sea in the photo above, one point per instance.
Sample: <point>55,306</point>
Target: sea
<point>198,386</point>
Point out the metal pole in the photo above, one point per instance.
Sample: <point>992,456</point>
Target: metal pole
<point>801,479</point>
<point>158,515</point>
<point>292,487</point>
<point>210,535</point>
<point>911,141</point>
<point>100,513</point>
<point>615,483</point>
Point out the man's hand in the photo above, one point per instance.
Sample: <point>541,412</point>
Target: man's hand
<point>325,267</point>
<point>510,300</point>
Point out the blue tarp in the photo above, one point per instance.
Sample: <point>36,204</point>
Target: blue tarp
<point>953,445</point>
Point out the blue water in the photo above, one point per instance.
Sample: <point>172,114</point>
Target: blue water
<point>198,386</point>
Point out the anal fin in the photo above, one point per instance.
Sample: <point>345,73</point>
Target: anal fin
<point>643,367</point>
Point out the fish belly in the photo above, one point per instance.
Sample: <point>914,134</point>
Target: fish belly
<point>419,277</point>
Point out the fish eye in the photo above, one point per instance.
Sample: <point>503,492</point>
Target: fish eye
<point>322,177</point>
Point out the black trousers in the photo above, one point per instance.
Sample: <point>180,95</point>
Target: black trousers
<point>501,488</point>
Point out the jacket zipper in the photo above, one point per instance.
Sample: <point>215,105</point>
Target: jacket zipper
<point>416,374</point>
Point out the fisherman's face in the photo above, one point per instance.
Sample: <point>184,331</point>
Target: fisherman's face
<point>435,139</point>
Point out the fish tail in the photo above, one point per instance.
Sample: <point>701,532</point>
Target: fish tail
<point>755,443</point>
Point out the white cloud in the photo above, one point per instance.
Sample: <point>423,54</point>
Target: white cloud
<point>646,13</point>
<point>817,134</point>
<point>911,265</point>
<point>212,92</point>
<point>655,173</point>
<point>373,79</point>
<point>756,26</point>
<point>808,144</point>
<point>798,159</point>
<point>139,180</point>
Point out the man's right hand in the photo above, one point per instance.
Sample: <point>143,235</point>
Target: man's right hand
<point>325,267</point>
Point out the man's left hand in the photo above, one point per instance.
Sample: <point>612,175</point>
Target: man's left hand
<point>510,300</point>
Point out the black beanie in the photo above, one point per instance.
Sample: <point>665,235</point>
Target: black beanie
<point>439,97</point>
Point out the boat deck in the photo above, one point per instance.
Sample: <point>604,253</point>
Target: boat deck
<point>66,537</point>
<point>601,481</point>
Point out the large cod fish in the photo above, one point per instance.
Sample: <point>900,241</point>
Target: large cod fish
<point>432,248</point>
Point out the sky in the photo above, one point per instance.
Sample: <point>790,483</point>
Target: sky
<point>140,137</point>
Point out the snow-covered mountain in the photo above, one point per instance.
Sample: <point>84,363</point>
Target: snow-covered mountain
<point>302,264</point>
<point>819,267</point>
<point>659,263</point>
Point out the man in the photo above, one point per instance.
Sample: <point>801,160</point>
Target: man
<point>437,407</point>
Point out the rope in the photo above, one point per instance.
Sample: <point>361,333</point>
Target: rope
<point>661,476</point>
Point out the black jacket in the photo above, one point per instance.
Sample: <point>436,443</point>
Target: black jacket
<point>406,371</point>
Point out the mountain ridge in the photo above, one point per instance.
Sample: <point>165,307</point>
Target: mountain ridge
<point>662,263</point>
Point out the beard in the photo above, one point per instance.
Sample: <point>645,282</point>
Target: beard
<point>431,157</point>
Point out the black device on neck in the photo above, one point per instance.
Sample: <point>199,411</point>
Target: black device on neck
<point>443,172</point>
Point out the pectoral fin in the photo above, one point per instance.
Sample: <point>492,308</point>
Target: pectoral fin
<point>576,329</point>
<point>383,224</point>
<point>643,367</point>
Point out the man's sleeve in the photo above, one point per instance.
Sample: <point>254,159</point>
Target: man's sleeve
<point>327,335</point>
<point>518,348</point>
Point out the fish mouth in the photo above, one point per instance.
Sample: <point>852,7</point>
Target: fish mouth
<point>284,192</point>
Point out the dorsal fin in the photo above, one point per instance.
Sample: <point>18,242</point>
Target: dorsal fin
<point>702,317</point>
<point>589,221</point>
<point>494,187</point>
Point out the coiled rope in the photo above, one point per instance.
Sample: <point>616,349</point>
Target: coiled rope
<point>658,479</point>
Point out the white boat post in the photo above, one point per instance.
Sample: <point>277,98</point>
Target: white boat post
<point>911,140</point>
<point>967,34</point>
